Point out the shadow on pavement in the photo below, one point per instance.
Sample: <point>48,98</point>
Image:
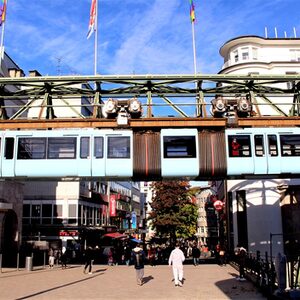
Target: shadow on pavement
<point>59,287</point>
<point>147,279</point>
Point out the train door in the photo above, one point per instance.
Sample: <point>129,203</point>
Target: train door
<point>119,160</point>
<point>260,157</point>
<point>179,149</point>
<point>98,158</point>
<point>273,156</point>
<point>84,159</point>
<point>8,158</point>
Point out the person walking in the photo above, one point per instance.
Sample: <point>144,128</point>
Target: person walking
<point>88,258</point>
<point>51,258</point>
<point>176,259</point>
<point>196,255</point>
<point>138,258</point>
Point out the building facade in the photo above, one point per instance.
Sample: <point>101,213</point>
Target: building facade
<point>257,216</point>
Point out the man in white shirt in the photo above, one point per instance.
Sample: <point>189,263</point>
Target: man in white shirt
<point>176,259</point>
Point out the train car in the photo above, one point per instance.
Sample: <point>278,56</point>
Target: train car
<point>254,152</point>
<point>123,154</point>
<point>80,153</point>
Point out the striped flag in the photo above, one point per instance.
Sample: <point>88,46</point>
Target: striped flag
<point>2,11</point>
<point>192,11</point>
<point>92,24</point>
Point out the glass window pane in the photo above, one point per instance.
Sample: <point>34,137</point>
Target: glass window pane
<point>239,146</point>
<point>259,145</point>
<point>72,210</point>
<point>36,211</point>
<point>273,149</point>
<point>57,210</point>
<point>84,147</point>
<point>47,210</point>
<point>118,147</point>
<point>26,210</point>
<point>290,145</point>
<point>9,148</point>
<point>31,148</point>
<point>98,147</point>
<point>179,147</point>
<point>62,147</point>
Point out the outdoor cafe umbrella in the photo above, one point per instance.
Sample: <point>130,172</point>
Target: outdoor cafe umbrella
<point>136,240</point>
<point>115,235</point>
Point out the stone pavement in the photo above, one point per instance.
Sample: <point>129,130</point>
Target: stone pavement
<point>207,281</point>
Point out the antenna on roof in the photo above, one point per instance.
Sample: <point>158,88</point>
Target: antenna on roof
<point>266,32</point>
<point>275,32</point>
<point>295,35</point>
<point>285,34</point>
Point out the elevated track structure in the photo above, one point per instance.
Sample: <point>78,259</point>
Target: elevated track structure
<point>41,102</point>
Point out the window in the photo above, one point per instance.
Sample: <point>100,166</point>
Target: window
<point>98,147</point>
<point>72,214</point>
<point>46,213</point>
<point>35,214</point>
<point>259,145</point>
<point>245,53</point>
<point>61,148</point>
<point>26,211</point>
<point>295,55</point>
<point>272,141</point>
<point>84,147</point>
<point>179,147</point>
<point>290,145</point>
<point>236,56</point>
<point>9,148</point>
<point>31,148</point>
<point>239,146</point>
<point>118,147</point>
<point>254,53</point>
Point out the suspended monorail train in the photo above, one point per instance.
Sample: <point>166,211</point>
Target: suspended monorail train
<point>124,154</point>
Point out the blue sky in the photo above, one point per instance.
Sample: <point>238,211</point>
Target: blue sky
<point>136,36</point>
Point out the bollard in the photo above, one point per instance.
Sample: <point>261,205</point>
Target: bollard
<point>28,264</point>
<point>18,261</point>
<point>0,262</point>
<point>44,259</point>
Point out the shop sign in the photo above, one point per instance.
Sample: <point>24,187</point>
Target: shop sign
<point>113,206</point>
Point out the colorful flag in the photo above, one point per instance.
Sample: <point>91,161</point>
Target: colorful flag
<point>92,25</point>
<point>192,11</point>
<point>2,11</point>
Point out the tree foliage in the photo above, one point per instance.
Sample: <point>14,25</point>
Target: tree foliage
<point>173,213</point>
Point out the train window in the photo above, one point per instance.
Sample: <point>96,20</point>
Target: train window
<point>259,145</point>
<point>84,147</point>
<point>239,146</point>
<point>179,146</point>
<point>98,147</point>
<point>273,148</point>
<point>9,148</point>
<point>31,148</point>
<point>290,145</point>
<point>118,147</point>
<point>62,147</point>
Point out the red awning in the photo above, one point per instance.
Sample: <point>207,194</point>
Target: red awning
<point>115,235</point>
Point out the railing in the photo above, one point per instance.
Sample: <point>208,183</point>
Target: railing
<point>279,275</point>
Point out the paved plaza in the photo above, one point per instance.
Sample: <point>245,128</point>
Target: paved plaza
<point>207,281</point>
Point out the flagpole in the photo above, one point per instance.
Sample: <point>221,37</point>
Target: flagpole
<point>96,39</point>
<point>2,40</point>
<point>2,33</point>
<point>194,47</point>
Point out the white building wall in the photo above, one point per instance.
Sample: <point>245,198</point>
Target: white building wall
<point>272,57</point>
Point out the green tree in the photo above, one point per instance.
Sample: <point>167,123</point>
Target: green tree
<point>173,214</point>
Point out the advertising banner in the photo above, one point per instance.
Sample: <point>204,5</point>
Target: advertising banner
<point>113,206</point>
